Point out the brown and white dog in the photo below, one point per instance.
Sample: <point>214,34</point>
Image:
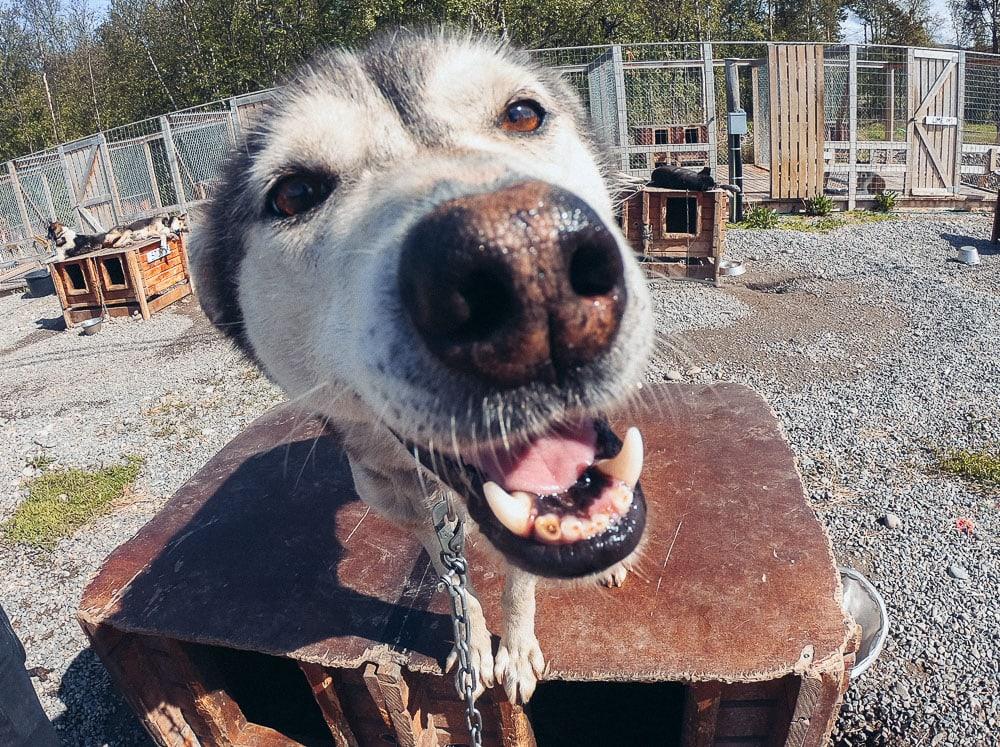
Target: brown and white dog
<point>418,242</point>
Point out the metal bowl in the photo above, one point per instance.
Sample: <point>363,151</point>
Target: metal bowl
<point>731,267</point>
<point>867,607</point>
<point>92,326</point>
<point>968,255</point>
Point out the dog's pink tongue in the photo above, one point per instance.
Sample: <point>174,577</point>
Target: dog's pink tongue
<point>549,464</point>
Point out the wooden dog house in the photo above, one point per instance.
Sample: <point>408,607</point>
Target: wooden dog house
<point>141,278</point>
<point>258,609</point>
<point>676,232</point>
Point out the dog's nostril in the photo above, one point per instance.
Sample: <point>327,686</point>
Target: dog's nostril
<point>487,304</point>
<point>595,268</point>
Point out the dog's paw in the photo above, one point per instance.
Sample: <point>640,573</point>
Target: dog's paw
<point>615,576</point>
<point>519,666</point>
<point>480,649</point>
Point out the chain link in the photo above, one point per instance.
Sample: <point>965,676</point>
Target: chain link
<point>451,535</point>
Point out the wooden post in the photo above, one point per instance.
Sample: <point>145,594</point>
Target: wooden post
<point>852,95</point>
<point>109,170</point>
<point>132,258</point>
<point>22,209</point>
<point>891,124</point>
<point>57,281</point>
<point>772,98</point>
<point>708,91</point>
<point>960,133</point>
<point>326,697</point>
<point>175,172</point>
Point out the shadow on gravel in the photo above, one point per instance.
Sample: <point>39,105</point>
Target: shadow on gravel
<point>51,323</point>
<point>984,246</point>
<point>95,713</point>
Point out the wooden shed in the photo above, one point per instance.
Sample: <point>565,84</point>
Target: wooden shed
<point>141,278</point>
<point>258,610</point>
<point>678,233</point>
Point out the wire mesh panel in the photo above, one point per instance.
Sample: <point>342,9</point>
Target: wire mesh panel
<point>202,140</point>
<point>981,122</point>
<point>43,186</point>
<point>249,108</point>
<point>12,227</point>
<point>747,58</point>
<point>140,169</point>
<point>666,111</point>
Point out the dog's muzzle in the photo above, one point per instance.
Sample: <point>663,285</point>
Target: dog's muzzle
<point>519,285</point>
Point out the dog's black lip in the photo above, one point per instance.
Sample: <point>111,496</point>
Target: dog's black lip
<point>562,561</point>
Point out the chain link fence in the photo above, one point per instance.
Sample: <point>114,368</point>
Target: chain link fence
<point>649,103</point>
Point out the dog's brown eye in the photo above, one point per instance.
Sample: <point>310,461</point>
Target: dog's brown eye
<point>523,116</point>
<point>298,193</point>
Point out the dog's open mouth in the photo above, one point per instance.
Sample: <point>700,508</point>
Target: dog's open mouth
<point>564,505</point>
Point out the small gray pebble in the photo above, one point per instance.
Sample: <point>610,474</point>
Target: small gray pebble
<point>891,521</point>
<point>957,571</point>
<point>673,375</point>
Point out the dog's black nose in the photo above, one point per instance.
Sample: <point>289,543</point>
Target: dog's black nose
<point>519,285</point>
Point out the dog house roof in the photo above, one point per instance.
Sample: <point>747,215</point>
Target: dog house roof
<point>267,548</point>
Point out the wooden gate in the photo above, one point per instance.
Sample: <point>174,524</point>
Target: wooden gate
<point>86,165</point>
<point>796,102</point>
<point>934,130</point>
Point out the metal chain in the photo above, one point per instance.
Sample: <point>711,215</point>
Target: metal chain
<point>451,534</point>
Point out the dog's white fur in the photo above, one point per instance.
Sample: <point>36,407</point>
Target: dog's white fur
<point>315,301</point>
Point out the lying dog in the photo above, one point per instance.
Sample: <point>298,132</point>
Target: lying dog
<point>69,243</point>
<point>418,243</point>
<point>146,228</point>
<point>678,177</point>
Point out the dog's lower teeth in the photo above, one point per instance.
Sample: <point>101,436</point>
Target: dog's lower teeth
<point>548,528</point>
<point>572,529</point>
<point>621,498</point>
<point>601,522</point>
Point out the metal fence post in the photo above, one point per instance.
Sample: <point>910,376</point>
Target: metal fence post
<point>234,117</point>
<point>22,208</point>
<point>618,64</point>
<point>708,91</point>
<point>852,105</point>
<point>175,172</point>
<point>957,188</point>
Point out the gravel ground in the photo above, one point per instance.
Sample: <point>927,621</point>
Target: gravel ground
<point>873,347</point>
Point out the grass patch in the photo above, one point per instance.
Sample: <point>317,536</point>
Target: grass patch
<point>978,467</point>
<point>62,501</point>
<point>821,224</point>
<point>41,461</point>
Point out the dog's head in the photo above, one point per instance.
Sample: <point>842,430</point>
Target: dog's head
<point>59,234</point>
<point>421,235</point>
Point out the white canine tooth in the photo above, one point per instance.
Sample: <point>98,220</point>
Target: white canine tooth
<point>627,465</point>
<point>513,510</point>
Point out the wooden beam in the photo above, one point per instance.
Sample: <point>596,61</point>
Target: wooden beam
<point>138,282</point>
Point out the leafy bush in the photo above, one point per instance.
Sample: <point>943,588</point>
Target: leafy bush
<point>760,217</point>
<point>885,202</point>
<point>818,205</point>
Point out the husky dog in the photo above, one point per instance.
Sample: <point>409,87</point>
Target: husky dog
<point>419,244</point>
<point>177,223</point>
<point>69,243</point>
<point>677,177</point>
<point>138,230</point>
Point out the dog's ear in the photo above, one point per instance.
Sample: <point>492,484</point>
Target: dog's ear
<point>707,171</point>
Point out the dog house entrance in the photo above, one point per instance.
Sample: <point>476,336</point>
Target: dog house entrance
<point>77,281</point>
<point>114,272</point>
<point>268,691</point>
<point>604,713</point>
<point>680,215</point>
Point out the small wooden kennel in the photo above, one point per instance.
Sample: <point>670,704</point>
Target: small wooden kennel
<point>262,609</point>
<point>678,233</point>
<point>120,281</point>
